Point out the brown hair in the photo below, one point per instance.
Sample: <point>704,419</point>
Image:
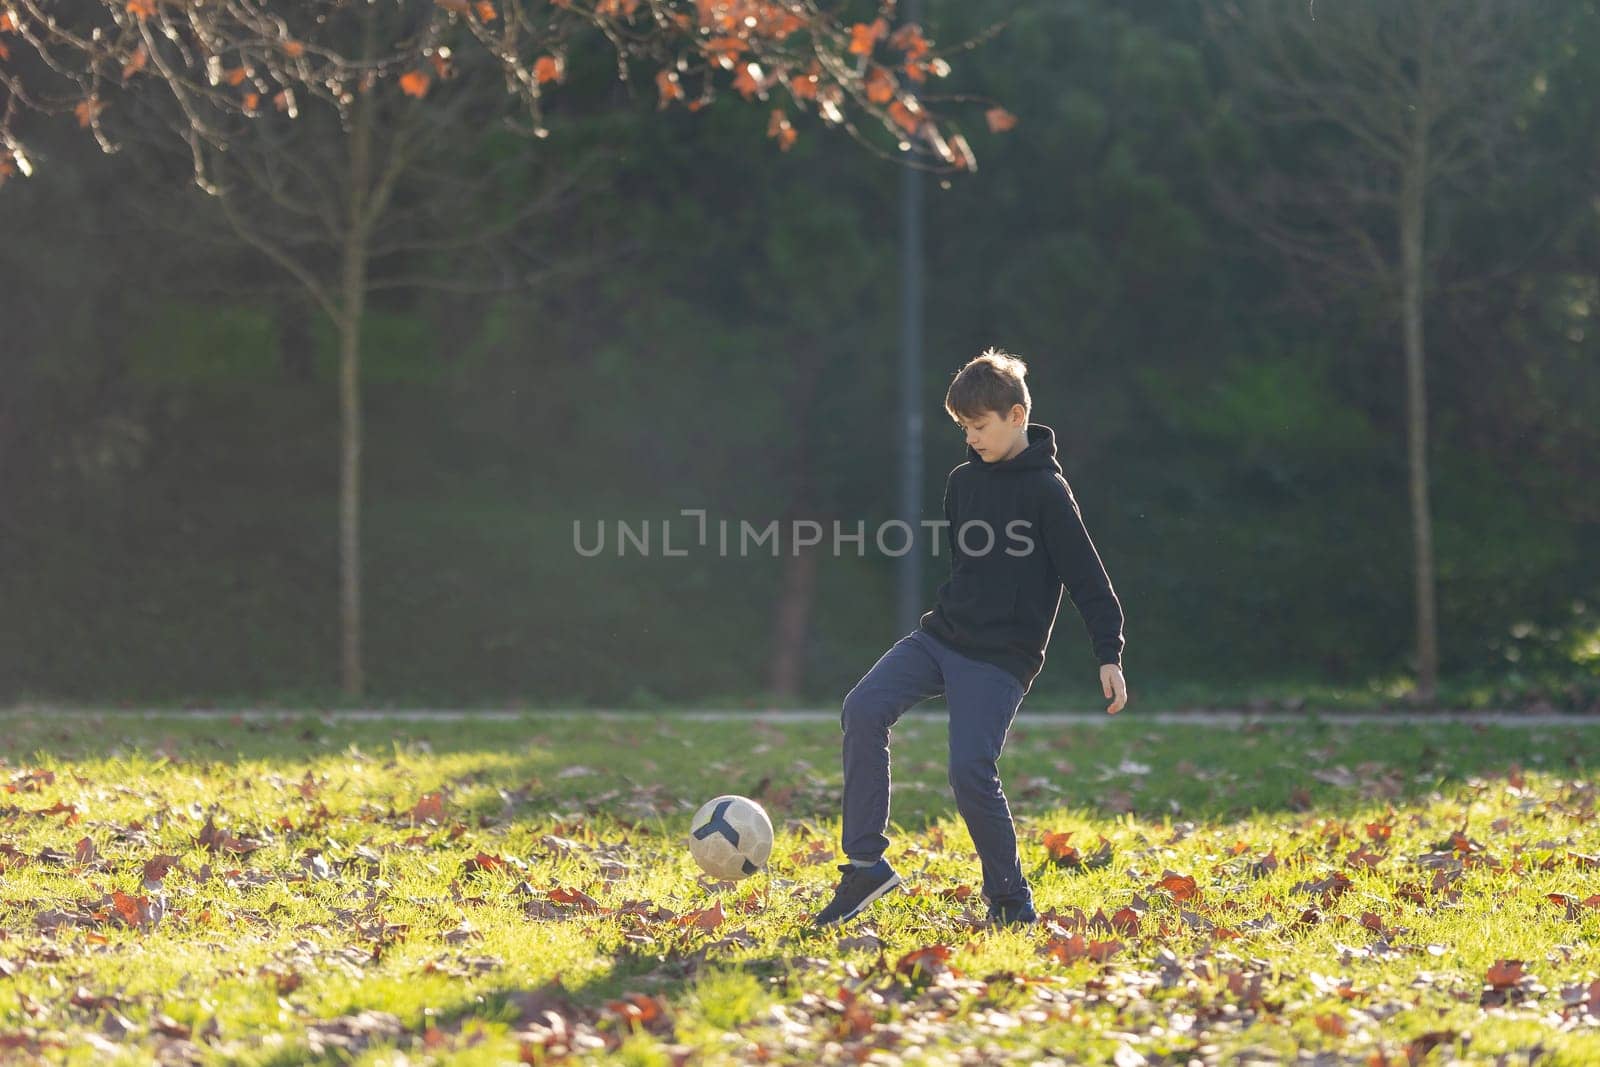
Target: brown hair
<point>993,382</point>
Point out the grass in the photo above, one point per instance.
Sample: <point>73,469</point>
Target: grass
<point>297,890</point>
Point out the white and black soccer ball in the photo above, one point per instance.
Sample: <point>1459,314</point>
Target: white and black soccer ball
<point>730,837</point>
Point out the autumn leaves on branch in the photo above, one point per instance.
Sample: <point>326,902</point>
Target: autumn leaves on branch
<point>225,62</point>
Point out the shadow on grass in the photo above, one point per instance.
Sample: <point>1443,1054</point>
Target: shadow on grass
<point>1175,772</point>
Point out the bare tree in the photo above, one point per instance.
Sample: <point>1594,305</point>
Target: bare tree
<point>328,134</point>
<point>1370,108</point>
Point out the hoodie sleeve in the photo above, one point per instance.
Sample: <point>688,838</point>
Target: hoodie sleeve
<point>950,517</point>
<point>1078,565</point>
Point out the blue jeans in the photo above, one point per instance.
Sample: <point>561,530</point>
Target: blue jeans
<point>983,700</point>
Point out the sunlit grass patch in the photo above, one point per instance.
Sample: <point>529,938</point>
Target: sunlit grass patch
<point>296,890</point>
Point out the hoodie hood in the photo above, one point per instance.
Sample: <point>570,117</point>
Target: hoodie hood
<point>1040,455</point>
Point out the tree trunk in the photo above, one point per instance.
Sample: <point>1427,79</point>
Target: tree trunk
<point>1413,210</point>
<point>352,677</point>
<point>795,599</point>
<point>352,305</point>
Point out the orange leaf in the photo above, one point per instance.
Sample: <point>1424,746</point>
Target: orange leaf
<point>748,82</point>
<point>1000,120</point>
<point>706,919</point>
<point>235,76</point>
<point>777,23</point>
<point>637,1009</point>
<point>1504,973</point>
<point>1100,951</point>
<point>135,911</point>
<point>294,49</point>
<point>1331,1024</point>
<point>430,808</point>
<point>667,84</point>
<point>864,37</point>
<point>574,896</point>
<point>548,69</point>
<point>1055,843</point>
<point>415,83</point>
<point>7,23</point>
<point>87,111</point>
<point>135,63</point>
<point>1365,857</point>
<point>909,39</point>
<point>725,50</point>
<point>141,9</point>
<point>922,961</point>
<point>880,85</point>
<point>1181,886</point>
<point>1074,947</point>
<point>486,11</point>
<point>805,86</point>
<point>252,101</point>
<point>785,134</point>
<point>904,117</point>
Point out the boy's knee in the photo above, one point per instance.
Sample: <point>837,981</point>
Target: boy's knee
<point>861,710</point>
<point>973,775</point>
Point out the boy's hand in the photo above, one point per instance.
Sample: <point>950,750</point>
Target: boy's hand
<point>1112,684</point>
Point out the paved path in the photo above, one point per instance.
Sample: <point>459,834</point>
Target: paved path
<point>1213,717</point>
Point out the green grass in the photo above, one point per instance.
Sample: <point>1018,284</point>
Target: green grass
<point>331,920</point>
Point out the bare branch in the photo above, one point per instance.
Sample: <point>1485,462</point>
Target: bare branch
<point>314,287</point>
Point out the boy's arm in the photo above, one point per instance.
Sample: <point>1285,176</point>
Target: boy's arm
<point>1078,565</point>
<point>950,521</point>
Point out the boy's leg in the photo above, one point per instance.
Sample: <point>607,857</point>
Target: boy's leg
<point>983,701</point>
<point>903,676</point>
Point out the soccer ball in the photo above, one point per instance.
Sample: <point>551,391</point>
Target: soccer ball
<point>730,837</point>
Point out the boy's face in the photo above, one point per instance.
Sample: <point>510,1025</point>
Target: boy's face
<point>996,437</point>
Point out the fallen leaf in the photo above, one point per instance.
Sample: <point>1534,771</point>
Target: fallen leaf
<point>1181,886</point>
<point>1504,973</point>
<point>430,807</point>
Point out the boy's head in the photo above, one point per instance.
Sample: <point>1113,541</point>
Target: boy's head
<point>989,400</point>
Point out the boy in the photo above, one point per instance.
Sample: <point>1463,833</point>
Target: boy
<point>1016,539</point>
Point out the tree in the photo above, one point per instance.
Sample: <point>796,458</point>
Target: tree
<point>1382,103</point>
<point>394,83</point>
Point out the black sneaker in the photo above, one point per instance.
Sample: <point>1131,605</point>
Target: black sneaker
<point>1013,913</point>
<point>859,887</point>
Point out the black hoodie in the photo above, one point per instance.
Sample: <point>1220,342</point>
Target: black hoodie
<point>1024,541</point>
